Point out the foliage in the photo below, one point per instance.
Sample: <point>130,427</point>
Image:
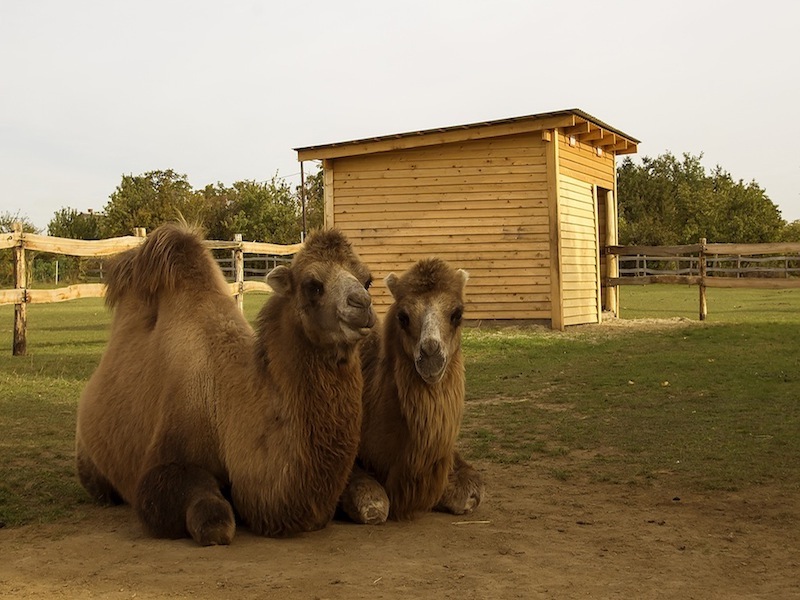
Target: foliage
<point>791,233</point>
<point>260,211</point>
<point>148,201</point>
<point>667,201</point>
<point>263,211</point>
<point>70,223</point>
<point>7,220</point>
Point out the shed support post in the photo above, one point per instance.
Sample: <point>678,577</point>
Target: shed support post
<point>327,178</point>
<point>611,299</point>
<point>554,217</point>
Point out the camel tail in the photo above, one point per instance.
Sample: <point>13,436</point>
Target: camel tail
<point>171,259</point>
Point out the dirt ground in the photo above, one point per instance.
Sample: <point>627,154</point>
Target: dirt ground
<point>534,537</point>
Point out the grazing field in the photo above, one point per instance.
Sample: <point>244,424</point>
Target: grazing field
<point>614,419</point>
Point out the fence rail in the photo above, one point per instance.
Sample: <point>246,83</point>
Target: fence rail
<point>22,294</point>
<point>766,266</point>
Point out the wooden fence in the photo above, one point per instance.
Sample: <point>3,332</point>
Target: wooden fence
<point>22,294</point>
<point>770,266</point>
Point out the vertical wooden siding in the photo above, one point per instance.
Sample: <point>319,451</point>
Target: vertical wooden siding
<point>581,167</point>
<point>579,252</point>
<point>481,205</point>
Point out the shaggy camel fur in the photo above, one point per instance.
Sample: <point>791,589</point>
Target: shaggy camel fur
<point>413,403</point>
<point>192,418</point>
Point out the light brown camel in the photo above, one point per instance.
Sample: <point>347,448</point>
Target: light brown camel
<point>413,403</point>
<point>191,417</point>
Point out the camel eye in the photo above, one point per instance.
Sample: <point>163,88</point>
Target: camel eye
<point>314,288</point>
<point>456,316</point>
<point>368,283</point>
<point>403,318</point>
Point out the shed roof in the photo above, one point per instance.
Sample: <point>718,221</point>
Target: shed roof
<point>574,122</point>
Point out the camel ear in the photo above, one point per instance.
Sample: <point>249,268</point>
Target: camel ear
<point>280,280</point>
<point>391,282</point>
<point>464,277</point>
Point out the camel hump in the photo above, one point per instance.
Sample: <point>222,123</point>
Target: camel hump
<point>173,257</point>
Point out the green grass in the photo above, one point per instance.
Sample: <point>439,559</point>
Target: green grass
<point>706,406</point>
<point>712,405</point>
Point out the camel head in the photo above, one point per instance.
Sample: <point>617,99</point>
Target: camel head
<point>327,284</point>
<point>427,311</point>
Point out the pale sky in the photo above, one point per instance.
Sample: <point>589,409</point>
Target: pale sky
<point>222,91</point>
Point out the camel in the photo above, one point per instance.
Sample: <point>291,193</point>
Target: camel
<point>413,403</point>
<point>195,419</point>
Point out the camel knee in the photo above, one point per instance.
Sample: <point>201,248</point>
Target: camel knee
<point>175,500</point>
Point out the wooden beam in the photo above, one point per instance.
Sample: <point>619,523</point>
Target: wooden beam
<point>432,138</point>
<point>594,134</point>
<point>327,170</point>
<point>554,218</point>
<point>577,130</point>
<point>609,139</point>
<point>620,146</point>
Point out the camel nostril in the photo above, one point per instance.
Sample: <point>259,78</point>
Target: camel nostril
<point>358,300</point>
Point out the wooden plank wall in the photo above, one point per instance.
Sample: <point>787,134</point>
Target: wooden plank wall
<point>581,167</point>
<point>481,205</point>
<point>581,162</point>
<point>579,252</point>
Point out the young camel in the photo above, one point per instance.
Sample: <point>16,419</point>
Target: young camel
<point>188,402</point>
<point>413,403</point>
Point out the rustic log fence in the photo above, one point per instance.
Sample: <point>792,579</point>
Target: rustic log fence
<point>22,295</point>
<point>766,266</point>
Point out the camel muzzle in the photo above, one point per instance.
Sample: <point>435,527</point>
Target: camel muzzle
<point>431,361</point>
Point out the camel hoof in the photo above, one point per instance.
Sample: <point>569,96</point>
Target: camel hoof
<point>374,513</point>
<point>210,521</point>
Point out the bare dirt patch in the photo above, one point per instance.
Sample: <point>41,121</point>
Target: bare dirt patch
<point>534,537</point>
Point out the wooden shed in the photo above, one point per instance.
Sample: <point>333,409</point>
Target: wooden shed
<point>524,204</point>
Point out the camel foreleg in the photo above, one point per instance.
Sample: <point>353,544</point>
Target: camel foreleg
<point>464,489</point>
<point>364,500</point>
<point>175,499</point>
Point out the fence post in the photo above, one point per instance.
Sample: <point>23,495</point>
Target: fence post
<point>20,347</point>
<point>238,268</point>
<point>702,267</point>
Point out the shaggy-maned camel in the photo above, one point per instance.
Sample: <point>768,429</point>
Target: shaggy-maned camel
<point>413,403</point>
<point>190,408</point>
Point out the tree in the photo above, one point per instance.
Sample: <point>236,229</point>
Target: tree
<point>791,232</point>
<point>69,223</point>
<point>148,201</point>
<point>267,212</point>
<point>8,219</point>
<point>666,201</point>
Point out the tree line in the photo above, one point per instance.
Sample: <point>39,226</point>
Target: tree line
<point>270,211</point>
<point>261,211</point>
<point>665,201</point>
